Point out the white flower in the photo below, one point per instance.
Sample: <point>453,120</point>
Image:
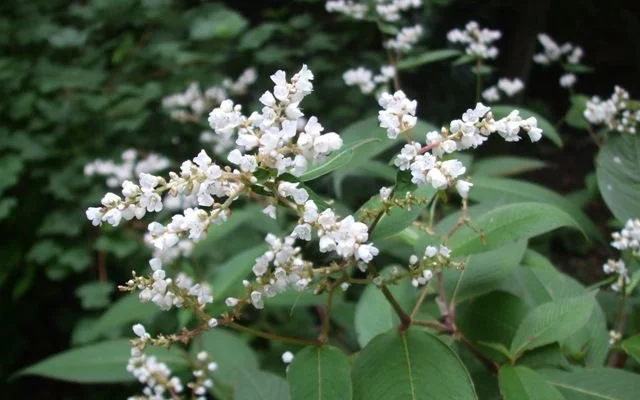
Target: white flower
<point>385,192</point>
<point>398,113</point>
<point>287,357</point>
<point>139,330</point>
<point>567,80</point>
<point>463,187</point>
<point>478,40</point>
<point>491,94</point>
<point>231,302</point>
<point>510,86</point>
<point>256,299</point>
<point>270,210</point>
<point>405,39</point>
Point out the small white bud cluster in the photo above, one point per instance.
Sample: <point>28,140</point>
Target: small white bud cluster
<point>563,54</point>
<point>366,81</point>
<point>628,238</point>
<point>614,337</point>
<point>191,104</point>
<point>405,39</point>
<point>131,166</point>
<point>508,86</point>
<point>398,114</point>
<point>478,40</point>
<point>614,112</point>
<point>422,270</point>
<point>469,132</point>
<point>155,375</point>
<point>202,383</point>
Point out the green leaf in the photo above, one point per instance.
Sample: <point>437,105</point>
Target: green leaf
<point>319,372</point>
<point>259,385</point>
<point>94,295</point>
<point>575,115</point>
<point>548,130</point>
<point>552,322</point>
<point>631,346</point>
<point>257,36</point>
<point>522,383</point>
<point>374,314</point>
<point>501,191</point>
<point>505,166</point>
<point>618,172</point>
<point>507,224</point>
<point>104,362</point>
<point>410,365</point>
<point>229,351</point>
<point>491,320</point>
<point>483,272</point>
<point>577,68</point>
<point>595,384</point>
<point>428,57</point>
<point>335,161</point>
<point>219,24</point>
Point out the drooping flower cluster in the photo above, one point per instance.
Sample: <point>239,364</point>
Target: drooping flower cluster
<point>628,238</point>
<point>566,55</point>
<point>388,10</point>
<point>425,162</point>
<point>131,166</point>
<point>619,268</point>
<point>478,41</point>
<point>404,41</point>
<point>616,112</point>
<point>398,114</point>
<point>193,103</point>
<point>366,80</point>
<point>508,86</point>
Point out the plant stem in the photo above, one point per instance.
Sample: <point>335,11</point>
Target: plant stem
<point>437,325</point>
<point>272,336</point>
<point>619,325</point>
<point>478,79</point>
<point>423,296</point>
<point>326,321</point>
<point>405,320</point>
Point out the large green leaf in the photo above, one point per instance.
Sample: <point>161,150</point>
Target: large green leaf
<point>320,372</point>
<point>595,384</point>
<point>507,224</point>
<point>229,351</point>
<point>483,272</point>
<point>222,23</point>
<point>552,322</point>
<point>522,383</point>
<point>428,57</point>
<point>410,365</point>
<point>337,160</point>
<point>492,318</point>
<point>548,130</point>
<point>505,166</point>
<point>632,347</point>
<point>374,314</point>
<point>104,362</point>
<point>501,191</point>
<point>618,172</point>
<point>253,384</point>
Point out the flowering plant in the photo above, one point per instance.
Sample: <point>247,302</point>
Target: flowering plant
<point>425,282</point>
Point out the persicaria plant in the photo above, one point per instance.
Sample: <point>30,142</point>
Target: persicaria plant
<point>427,280</point>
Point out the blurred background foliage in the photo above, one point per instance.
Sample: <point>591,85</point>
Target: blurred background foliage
<point>81,80</point>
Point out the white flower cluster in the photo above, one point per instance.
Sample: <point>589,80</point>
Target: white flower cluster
<point>469,132</point>
<point>388,10</point>
<point>614,112</point>
<point>628,238</point>
<point>155,375</point>
<point>478,40</point>
<point>221,144</point>
<point>508,86</point>
<point>563,54</point>
<point>274,131</point>
<point>617,267</point>
<point>365,80</point>
<point>398,114</point>
<point>167,293</point>
<point>405,39</point>
<point>554,52</point>
<point>191,104</point>
<point>131,166</point>
<point>349,8</point>
<point>202,383</point>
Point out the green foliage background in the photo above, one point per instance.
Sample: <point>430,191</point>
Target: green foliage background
<point>81,80</point>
